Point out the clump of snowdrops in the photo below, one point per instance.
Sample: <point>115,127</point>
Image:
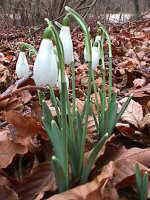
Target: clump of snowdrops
<point>68,133</point>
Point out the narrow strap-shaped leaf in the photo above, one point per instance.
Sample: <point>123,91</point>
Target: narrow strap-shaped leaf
<point>145,186</point>
<point>123,108</point>
<point>138,176</point>
<point>61,176</point>
<point>59,144</point>
<point>92,158</point>
<point>47,118</point>
<point>112,113</point>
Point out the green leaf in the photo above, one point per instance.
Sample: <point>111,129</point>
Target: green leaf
<point>124,107</point>
<point>62,178</point>
<point>92,158</point>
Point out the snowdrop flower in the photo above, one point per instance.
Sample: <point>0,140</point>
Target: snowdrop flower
<point>98,38</point>
<point>66,40</point>
<point>22,67</point>
<point>45,71</point>
<point>95,56</point>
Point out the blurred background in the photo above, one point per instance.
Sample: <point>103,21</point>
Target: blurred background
<point>32,12</point>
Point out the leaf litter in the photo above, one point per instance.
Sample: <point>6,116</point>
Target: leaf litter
<point>23,139</point>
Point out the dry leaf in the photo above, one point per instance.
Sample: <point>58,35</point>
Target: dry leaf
<point>141,92</point>
<point>6,191</point>
<point>4,74</point>
<point>42,179</point>
<point>145,121</point>
<point>25,125</point>
<point>139,155</point>
<point>124,173</point>
<point>125,129</point>
<point>94,190</point>
<point>134,112</point>
<point>138,83</point>
<point>25,96</point>
<point>8,149</point>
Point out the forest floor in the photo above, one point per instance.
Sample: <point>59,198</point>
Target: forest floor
<point>24,149</point>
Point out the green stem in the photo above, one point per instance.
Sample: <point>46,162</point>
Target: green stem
<point>110,59</point>
<point>84,27</point>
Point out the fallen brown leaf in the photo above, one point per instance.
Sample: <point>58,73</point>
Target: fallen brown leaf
<point>4,75</point>
<point>6,193</point>
<point>8,149</point>
<point>100,188</point>
<point>42,179</point>
<point>25,125</point>
<point>134,112</point>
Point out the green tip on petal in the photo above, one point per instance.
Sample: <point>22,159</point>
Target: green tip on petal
<point>95,44</point>
<point>47,33</point>
<point>66,21</point>
<point>22,47</point>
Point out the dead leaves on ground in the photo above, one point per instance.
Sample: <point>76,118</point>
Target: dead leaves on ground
<point>40,180</point>
<point>118,173</point>
<point>21,127</point>
<point>8,149</point>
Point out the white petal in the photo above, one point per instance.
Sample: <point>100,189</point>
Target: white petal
<point>98,38</point>
<point>66,40</point>
<point>22,67</point>
<point>95,57</point>
<point>45,71</point>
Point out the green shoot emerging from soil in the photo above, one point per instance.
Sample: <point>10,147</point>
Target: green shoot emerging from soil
<point>142,183</point>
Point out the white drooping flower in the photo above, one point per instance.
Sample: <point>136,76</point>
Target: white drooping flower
<point>66,40</point>
<point>98,38</point>
<point>45,71</point>
<point>95,55</point>
<point>22,67</point>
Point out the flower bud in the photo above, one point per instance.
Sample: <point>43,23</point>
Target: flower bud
<point>45,71</point>
<point>22,67</point>
<point>66,40</point>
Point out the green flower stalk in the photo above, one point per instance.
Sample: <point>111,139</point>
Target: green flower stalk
<point>84,27</point>
<point>85,30</point>
<point>110,58</point>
